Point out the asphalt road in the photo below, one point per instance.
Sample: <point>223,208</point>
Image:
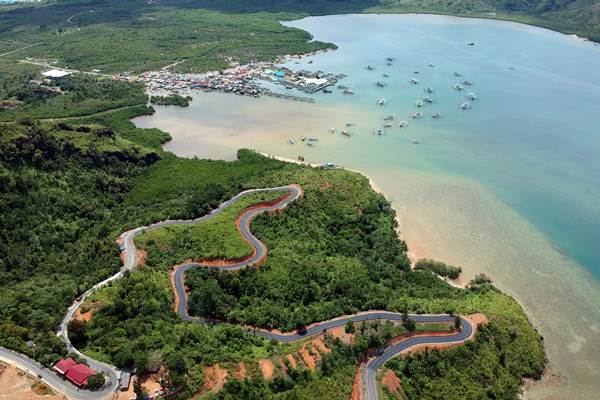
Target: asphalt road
<point>130,262</point>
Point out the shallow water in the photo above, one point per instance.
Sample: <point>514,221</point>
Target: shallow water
<point>510,187</point>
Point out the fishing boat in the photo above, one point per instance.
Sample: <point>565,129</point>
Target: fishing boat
<point>465,106</point>
<point>417,115</point>
<point>428,90</point>
<point>419,103</point>
<point>331,130</point>
<point>387,125</point>
<point>428,99</point>
<point>467,83</point>
<point>436,116</point>
<point>402,124</point>
<point>390,59</point>
<point>457,74</point>
<point>291,141</point>
<point>380,131</point>
<point>310,143</point>
<point>471,44</point>
<point>313,139</point>
<point>346,133</point>
<point>416,141</point>
<point>458,87</point>
<point>349,123</point>
<point>385,75</point>
<point>471,96</point>
<point>380,84</point>
<point>413,81</point>
<point>381,102</point>
<point>388,117</point>
<point>370,67</point>
<point>348,91</point>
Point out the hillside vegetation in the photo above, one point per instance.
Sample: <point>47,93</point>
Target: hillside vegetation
<point>68,188</point>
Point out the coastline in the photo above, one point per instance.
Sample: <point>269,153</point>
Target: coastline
<point>492,16</point>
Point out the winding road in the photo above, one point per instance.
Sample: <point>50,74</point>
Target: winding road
<point>290,194</point>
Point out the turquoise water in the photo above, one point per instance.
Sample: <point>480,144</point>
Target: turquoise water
<point>532,138</point>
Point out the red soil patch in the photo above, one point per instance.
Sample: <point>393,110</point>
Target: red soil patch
<point>214,379</point>
<point>356,393</point>
<point>175,296</point>
<point>340,333</point>
<point>319,345</point>
<point>86,316</point>
<point>307,358</point>
<point>141,256</point>
<point>241,372</point>
<point>267,367</point>
<point>292,361</point>
<point>391,381</point>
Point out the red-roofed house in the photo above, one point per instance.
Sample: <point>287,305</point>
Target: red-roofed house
<point>76,373</point>
<point>79,374</point>
<point>63,365</point>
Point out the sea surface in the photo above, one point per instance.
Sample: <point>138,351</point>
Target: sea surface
<point>509,187</point>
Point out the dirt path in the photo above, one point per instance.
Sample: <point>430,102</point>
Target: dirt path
<point>17,385</point>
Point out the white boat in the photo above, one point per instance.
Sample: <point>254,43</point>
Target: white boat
<point>349,123</point>
<point>428,90</point>
<point>428,99</point>
<point>331,130</point>
<point>416,141</point>
<point>467,83</point>
<point>457,74</point>
<point>381,102</point>
<point>387,125</point>
<point>291,141</point>
<point>436,116</point>
<point>388,117</point>
<point>417,115</point>
<point>385,75</point>
<point>402,124</point>
<point>419,103</point>
<point>311,144</point>
<point>414,81</point>
<point>471,96</point>
<point>380,84</point>
<point>313,139</point>
<point>458,87</point>
<point>370,67</point>
<point>465,106</point>
<point>380,131</point>
<point>346,133</point>
<point>348,91</point>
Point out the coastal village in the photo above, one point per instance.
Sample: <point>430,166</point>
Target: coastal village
<point>246,80</point>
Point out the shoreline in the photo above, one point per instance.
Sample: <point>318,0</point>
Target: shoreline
<point>496,16</point>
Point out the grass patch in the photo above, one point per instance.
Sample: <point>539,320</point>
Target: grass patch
<point>215,238</point>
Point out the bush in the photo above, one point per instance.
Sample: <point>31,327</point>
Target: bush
<point>438,267</point>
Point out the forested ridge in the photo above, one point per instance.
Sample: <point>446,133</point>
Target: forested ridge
<point>69,187</point>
